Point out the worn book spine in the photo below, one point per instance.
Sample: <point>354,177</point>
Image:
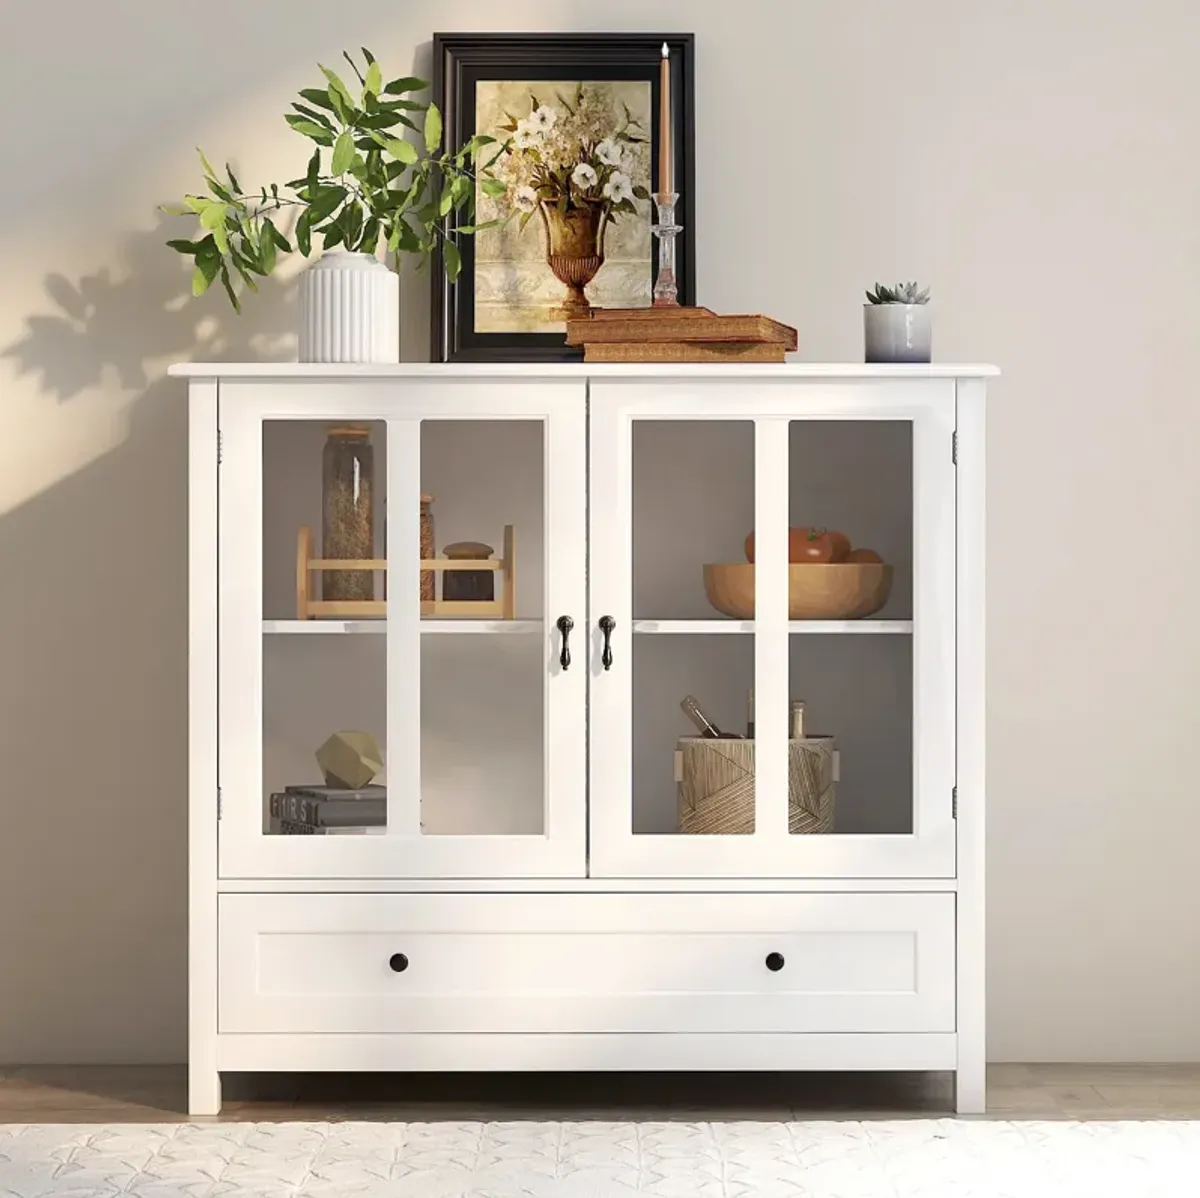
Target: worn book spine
<point>287,827</point>
<point>683,351</point>
<point>374,791</point>
<point>655,314</point>
<point>735,329</point>
<point>328,813</point>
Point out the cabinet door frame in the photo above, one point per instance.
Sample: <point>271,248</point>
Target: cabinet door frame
<point>929,851</point>
<point>244,850</point>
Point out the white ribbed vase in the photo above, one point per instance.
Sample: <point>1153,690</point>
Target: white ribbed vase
<point>349,310</point>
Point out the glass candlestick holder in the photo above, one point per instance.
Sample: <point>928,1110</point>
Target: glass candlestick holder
<point>666,289</point>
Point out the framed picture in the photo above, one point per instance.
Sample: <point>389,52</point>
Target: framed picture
<point>577,121</point>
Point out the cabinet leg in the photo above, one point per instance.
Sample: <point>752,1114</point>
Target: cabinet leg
<point>970,1088</point>
<point>204,1092</point>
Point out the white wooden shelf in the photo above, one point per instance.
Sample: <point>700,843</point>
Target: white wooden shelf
<point>707,627</point>
<point>580,370</point>
<point>341,627</point>
<point>512,627</point>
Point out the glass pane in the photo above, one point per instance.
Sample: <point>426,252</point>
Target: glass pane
<point>483,643</point>
<point>851,769</point>
<point>685,781</point>
<point>693,638</point>
<point>850,749</point>
<point>324,631</point>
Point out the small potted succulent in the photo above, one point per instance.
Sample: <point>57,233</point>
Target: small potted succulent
<point>896,324</point>
<point>366,191</point>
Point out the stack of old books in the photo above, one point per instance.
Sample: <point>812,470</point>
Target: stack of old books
<point>328,811</point>
<point>678,334</point>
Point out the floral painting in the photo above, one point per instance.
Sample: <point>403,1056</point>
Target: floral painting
<point>575,211</point>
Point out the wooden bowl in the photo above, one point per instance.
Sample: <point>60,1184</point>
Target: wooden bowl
<point>816,591</point>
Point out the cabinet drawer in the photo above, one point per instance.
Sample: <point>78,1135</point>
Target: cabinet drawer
<point>587,963</point>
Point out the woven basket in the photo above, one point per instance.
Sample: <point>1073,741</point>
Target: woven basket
<point>716,785</point>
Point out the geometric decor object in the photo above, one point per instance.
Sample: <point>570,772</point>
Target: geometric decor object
<point>350,759</point>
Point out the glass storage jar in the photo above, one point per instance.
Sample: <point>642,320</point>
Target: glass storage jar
<point>348,512</point>
<point>428,589</point>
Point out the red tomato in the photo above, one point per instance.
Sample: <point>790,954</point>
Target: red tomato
<point>810,545</point>
<point>863,555</point>
<point>841,544</point>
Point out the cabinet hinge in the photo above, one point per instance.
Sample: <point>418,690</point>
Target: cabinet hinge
<point>219,803</point>
<point>220,447</point>
<point>954,802</point>
<point>954,447</point>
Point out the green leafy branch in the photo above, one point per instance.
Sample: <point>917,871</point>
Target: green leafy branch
<point>365,186</point>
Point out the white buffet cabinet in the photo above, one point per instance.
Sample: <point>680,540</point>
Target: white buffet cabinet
<point>529,900</point>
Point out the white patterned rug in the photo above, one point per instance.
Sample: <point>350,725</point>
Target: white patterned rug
<point>922,1158</point>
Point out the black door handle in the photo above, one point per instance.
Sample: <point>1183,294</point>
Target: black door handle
<point>398,962</point>
<point>607,624</point>
<point>775,962</point>
<point>565,624</point>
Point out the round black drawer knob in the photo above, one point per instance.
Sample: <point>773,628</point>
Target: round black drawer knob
<point>774,962</point>
<point>399,962</point>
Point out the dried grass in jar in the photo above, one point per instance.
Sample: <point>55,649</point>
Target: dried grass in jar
<point>348,512</point>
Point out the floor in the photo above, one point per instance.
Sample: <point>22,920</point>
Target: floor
<point>157,1094</point>
<point>898,1158</point>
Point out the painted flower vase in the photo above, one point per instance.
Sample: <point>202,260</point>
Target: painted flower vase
<point>574,252</point>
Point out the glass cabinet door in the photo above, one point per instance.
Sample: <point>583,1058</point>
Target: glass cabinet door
<point>776,563</point>
<point>394,562</point>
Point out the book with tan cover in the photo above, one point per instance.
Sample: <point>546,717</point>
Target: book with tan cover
<point>683,351</point>
<point>630,327</point>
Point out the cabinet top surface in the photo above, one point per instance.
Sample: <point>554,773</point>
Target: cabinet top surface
<point>575,370</point>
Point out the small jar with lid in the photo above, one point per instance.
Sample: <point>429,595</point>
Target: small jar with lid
<point>469,585</point>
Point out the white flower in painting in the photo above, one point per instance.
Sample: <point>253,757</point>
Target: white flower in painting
<point>584,176</point>
<point>619,187</point>
<point>542,119</point>
<point>525,198</point>
<point>526,136</point>
<point>609,152</point>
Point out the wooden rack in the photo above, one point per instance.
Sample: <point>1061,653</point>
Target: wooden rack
<point>503,607</point>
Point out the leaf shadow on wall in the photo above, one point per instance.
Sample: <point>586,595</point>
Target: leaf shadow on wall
<point>93,861</point>
<point>144,315</point>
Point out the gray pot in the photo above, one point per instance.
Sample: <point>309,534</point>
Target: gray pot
<point>897,332</point>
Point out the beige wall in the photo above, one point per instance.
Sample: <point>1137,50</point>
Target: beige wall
<point>1035,161</point>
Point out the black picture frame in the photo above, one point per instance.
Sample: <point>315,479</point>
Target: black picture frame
<point>460,60</point>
